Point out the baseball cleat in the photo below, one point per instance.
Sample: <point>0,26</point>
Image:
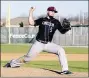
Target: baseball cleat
<point>7,65</point>
<point>66,72</point>
<point>12,64</point>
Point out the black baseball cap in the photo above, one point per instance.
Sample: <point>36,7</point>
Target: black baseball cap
<point>52,9</point>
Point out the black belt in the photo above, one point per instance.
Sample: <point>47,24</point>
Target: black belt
<point>45,42</point>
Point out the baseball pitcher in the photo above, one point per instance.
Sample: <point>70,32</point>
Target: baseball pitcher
<point>47,27</point>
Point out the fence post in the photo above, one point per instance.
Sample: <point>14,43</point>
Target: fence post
<point>73,36</point>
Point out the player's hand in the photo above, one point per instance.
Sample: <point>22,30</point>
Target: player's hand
<point>32,9</point>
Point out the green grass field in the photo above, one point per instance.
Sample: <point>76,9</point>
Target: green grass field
<point>74,66</point>
<point>23,48</point>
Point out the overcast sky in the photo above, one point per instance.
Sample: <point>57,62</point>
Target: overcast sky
<point>65,8</point>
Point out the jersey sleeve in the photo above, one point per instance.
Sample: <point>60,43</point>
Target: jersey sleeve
<point>38,21</point>
<point>61,29</point>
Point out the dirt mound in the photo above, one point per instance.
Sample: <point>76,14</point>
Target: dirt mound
<point>34,72</point>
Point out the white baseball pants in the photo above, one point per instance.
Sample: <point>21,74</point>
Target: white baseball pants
<point>50,47</point>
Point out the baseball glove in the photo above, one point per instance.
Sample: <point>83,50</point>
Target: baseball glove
<point>66,24</point>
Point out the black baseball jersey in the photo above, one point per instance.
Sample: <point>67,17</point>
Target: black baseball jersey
<point>47,28</point>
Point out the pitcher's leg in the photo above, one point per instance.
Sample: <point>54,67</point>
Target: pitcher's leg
<point>62,58</point>
<point>53,48</point>
<point>36,48</point>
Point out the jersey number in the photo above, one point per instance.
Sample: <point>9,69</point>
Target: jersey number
<point>50,28</point>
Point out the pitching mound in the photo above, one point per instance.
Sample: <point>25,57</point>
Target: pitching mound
<point>34,72</point>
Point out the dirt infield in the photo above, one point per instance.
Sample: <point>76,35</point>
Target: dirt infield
<point>45,57</point>
<point>34,72</point>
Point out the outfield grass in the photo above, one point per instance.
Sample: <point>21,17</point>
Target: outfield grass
<point>75,66</point>
<point>15,48</point>
<point>76,50</point>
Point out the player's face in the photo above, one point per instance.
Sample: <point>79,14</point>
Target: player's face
<point>51,13</point>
